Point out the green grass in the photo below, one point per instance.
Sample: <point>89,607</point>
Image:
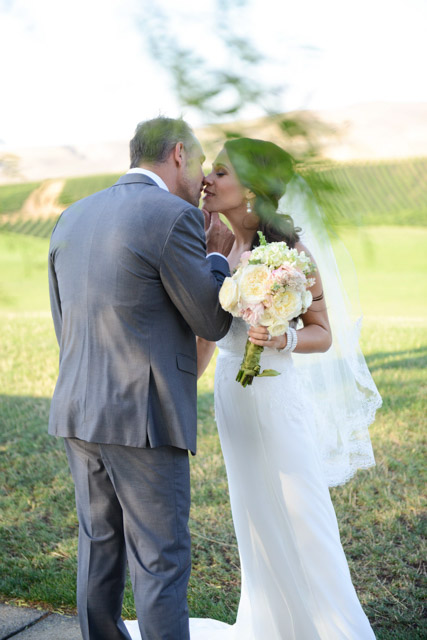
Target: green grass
<point>23,273</point>
<point>390,260</point>
<point>379,512</point>
<point>391,266</point>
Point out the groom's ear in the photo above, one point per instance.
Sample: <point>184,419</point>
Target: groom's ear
<point>178,154</point>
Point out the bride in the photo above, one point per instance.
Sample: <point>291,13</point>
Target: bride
<point>285,439</point>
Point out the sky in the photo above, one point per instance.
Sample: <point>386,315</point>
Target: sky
<point>78,71</point>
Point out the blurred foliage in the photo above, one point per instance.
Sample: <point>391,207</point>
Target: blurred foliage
<point>380,193</point>
<point>199,85</point>
<point>228,82</point>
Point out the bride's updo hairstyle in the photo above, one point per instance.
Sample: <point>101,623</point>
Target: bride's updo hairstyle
<point>265,169</point>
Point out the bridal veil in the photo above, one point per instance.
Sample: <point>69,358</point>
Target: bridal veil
<point>343,392</point>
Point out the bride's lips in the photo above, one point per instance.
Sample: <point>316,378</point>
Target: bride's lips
<point>207,194</point>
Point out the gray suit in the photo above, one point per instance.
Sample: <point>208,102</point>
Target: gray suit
<point>130,285</point>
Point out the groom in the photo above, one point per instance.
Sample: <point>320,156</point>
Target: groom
<point>130,286</point>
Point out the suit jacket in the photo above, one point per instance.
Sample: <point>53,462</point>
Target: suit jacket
<point>130,286</point>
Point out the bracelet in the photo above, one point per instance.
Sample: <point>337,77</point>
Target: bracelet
<point>294,340</point>
<point>291,341</point>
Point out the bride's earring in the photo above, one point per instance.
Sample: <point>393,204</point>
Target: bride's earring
<point>248,206</point>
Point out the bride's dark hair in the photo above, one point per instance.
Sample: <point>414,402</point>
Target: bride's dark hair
<point>265,169</point>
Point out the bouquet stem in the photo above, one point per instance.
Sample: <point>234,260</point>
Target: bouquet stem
<point>250,367</point>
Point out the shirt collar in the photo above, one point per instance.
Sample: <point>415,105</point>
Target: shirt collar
<point>157,179</point>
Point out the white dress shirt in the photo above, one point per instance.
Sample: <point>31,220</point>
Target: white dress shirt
<point>146,172</point>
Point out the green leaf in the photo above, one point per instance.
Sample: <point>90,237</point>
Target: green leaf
<point>262,240</point>
<point>268,373</point>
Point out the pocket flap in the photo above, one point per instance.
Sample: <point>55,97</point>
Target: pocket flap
<point>186,363</point>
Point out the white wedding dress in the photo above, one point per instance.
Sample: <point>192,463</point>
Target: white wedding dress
<point>296,583</point>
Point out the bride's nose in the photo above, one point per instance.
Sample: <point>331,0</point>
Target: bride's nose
<point>207,180</point>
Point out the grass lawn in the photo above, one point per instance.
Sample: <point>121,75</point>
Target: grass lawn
<point>379,512</point>
<point>391,265</point>
<point>23,273</point>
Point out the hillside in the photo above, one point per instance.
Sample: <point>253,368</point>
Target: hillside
<point>375,193</point>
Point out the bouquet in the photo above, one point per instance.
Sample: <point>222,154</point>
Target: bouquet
<point>269,288</point>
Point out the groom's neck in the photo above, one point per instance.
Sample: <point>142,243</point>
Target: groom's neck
<point>165,171</point>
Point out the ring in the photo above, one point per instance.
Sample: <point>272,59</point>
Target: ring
<point>269,338</point>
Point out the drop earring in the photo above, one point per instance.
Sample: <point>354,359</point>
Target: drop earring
<point>248,206</point>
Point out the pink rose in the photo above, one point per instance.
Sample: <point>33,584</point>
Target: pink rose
<point>298,279</point>
<point>252,314</point>
<point>283,274</point>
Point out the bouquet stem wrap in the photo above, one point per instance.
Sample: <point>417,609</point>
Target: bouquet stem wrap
<point>250,367</point>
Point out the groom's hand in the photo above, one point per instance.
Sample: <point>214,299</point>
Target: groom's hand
<point>219,238</point>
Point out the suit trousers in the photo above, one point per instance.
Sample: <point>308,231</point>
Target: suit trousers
<point>132,503</point>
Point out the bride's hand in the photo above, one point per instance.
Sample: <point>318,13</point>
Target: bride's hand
<point>207,217</point>
<point>261,337</point>
<point>219,238</point>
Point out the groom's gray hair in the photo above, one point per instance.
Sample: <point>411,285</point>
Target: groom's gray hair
<point>155,139</point>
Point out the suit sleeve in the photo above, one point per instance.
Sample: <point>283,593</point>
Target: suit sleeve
<point>192,281</point>
<point>55,302</point>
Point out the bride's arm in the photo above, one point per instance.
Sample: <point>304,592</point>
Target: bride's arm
<point>205,351</point>
<point>315,336</point>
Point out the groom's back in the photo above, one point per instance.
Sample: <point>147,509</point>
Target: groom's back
<point>104,245</point>
<point>116,325</point>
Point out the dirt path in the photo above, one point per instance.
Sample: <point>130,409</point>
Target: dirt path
<point>43,202</point>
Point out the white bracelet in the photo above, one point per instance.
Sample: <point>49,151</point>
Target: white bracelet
<point>295,341</point>
<point>288,343</point>
<point>291,341</point>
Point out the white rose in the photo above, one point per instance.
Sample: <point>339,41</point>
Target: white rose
<point>307,299</point>
<point>255,283</point>
<point>229,294</point>
<point>267,318</point>
<point>287,304</point>
<point>278,328</point>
